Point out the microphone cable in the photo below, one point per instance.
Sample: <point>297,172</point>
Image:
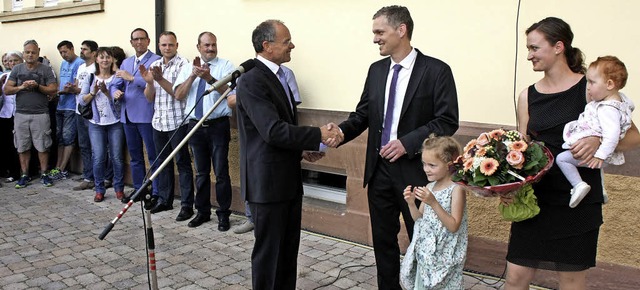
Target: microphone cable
<point>515,107</point>
<point>339,272</point>
<point>515,67</point>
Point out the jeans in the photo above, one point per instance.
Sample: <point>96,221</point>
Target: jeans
<point>166,182</point>
<point>109,137</point>
<point>209,145</point>
<point>84,142</point>
<point>135,134</point>
<point>66,128</point>
<point>247,212</point>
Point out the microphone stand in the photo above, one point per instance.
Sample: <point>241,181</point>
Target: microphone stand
<point>148,201</point>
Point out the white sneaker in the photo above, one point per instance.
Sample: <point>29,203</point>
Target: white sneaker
<point>578,193</point>
<point>247,226</point>
<point>605,198</point>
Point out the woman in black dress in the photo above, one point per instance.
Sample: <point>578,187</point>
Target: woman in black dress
<point>560,238</point>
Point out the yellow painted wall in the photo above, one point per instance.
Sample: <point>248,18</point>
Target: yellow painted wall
<point>334,41</point>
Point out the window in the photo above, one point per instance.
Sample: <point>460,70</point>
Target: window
<point>49,3</point>
<point>47,9</point>
<point>325,186</point>
<point>17,5</point>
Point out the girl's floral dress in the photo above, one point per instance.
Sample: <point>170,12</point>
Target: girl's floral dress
<point>435,257</point>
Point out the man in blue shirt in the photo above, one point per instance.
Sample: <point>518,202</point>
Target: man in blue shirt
<point>66,131</point>
<point>210,143</point>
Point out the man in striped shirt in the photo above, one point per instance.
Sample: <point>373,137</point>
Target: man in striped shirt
<point>168,119</point>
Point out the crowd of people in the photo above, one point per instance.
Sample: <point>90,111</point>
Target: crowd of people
<point>409,106</point>
<point>102,99</point>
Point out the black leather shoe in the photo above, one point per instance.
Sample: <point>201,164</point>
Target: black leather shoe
<point>185,214</point>
<point>198,220</point>
<point>223,224</point>
<point>160,207</point>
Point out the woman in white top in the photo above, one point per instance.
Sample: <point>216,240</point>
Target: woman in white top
<point>105,129</point>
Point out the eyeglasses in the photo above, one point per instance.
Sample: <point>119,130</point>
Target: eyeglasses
<point>285,43</point>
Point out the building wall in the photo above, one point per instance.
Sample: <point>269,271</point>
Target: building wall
<point>334,41</point>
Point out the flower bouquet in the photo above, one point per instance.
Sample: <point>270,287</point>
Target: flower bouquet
<point>502,163</point>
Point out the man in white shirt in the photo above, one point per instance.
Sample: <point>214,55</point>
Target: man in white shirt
<point>167,121</point>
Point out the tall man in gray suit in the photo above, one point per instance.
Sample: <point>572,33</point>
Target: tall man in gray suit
<point>407,96</point>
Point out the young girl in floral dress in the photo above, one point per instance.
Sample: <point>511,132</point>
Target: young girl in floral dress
<point>436,255</point>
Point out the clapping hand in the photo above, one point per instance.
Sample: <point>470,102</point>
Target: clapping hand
<point>67,89</point>
<point>156,71</point>
<point>125,75</point>
<point>146,74</point>
<point>102,86</point>
<point>331,135</point>
<point>409,195</point>
<point>200,70</point>
<point>423,194</point>
<point>29,84</point>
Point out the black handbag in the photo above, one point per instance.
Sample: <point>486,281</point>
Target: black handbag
<point>86,111</point>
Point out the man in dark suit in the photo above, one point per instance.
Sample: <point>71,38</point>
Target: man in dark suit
<point>271,148</point>
<point>426,103</point>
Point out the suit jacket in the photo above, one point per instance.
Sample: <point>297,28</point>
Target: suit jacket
<point>271,142</point>
<point>430,106</point>
<point>138,108</point>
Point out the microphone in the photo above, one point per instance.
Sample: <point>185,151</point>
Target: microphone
<point>243,68</point>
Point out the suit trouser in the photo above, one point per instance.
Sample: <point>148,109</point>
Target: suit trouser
<point>166,184</point>
<point>386,202</point>
<point>210,144</point>
<point>277,239</point>
<point>135,134</point>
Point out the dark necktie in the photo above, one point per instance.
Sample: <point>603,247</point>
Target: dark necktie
<point>388,116</point>
<point>283,82</point>
<point>199,105</point>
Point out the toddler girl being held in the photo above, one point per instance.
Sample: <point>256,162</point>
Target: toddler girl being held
<point>607,115</point>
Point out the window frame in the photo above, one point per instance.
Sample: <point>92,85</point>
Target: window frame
<point>60,9</point>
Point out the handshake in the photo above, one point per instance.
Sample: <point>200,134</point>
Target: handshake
<point>331,135</point>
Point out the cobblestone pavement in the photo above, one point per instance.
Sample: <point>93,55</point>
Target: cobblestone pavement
<point>49,240</point>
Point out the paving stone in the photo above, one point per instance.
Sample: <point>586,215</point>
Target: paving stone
<point>16,286</point>
<point>88,278</point>
<point>58,285</point>
<point>58,248</point>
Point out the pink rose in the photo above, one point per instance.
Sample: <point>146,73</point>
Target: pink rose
<point>515,159</point>
<point>483,139</point>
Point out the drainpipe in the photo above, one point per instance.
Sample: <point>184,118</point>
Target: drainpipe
<point>160,21</point>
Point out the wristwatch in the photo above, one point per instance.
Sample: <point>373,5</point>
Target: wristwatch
<point>212,81</point>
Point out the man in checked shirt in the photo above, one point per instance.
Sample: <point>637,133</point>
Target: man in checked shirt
<point>167,119</point>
